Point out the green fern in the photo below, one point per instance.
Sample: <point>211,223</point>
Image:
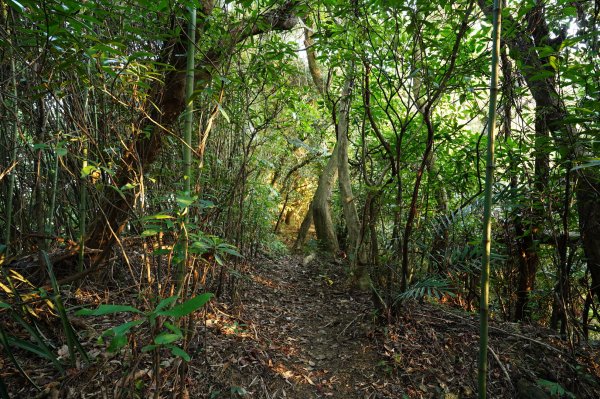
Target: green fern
<point>430,287</point>
<point>555,389</point>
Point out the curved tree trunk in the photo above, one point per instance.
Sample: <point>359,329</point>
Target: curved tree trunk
<point>320,205</point>
<point>347,197</point>
<point>319,210</point>
<point>303,231</point>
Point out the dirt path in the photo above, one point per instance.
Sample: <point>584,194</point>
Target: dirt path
<point>304,336</point>
<point>301,333</point>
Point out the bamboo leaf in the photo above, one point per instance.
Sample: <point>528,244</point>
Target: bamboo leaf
<point>177,351</point>
<point>124,328</point>
<point>188,306</point>
<point>166,338</point>
<point>107,309</point>
<point>165,303</point>
<point>117,343</point>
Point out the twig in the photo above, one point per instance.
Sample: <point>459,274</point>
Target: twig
<point>510,333</point>
<point>264,387</point>
<point>501,366</point>
<point>349,324</point>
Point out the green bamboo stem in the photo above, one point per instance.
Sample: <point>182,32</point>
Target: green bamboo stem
<point>487,213</point>
<point>189,91</point>
<point>83,189</point>
<point>13,159</point>
<point>188,123</point>
<point>50,226</point>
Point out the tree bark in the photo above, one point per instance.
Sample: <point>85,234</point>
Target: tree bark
<point>320,205</point>
<point>356,252</point>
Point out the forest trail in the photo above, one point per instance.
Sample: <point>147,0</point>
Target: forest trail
<point>299,332</point>
<point>305,335</point>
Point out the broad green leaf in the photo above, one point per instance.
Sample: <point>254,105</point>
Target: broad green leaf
<point>166,338</point>
<point>177,351</point>
<point>106,309</point>
<point>149,348</point>
<point>188,306</point>
<point>124,328</point>
<point>165,303</point>
<point>173,328</point>
<point>230,251</point>
<point>117,343</point>
<point>150,232</point>
<point>185,201</point>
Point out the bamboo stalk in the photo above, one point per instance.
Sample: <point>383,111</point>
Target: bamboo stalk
<point>13,157</point>
<point>487,212</point>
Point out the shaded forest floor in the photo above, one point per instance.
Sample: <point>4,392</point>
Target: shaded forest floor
<point>297,330</point>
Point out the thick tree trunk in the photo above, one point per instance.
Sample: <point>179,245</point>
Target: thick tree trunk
<point>304,227</point>
<point>320,205</point>
<point>143,150</point>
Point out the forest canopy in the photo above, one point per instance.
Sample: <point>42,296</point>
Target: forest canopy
<point>179,140</point>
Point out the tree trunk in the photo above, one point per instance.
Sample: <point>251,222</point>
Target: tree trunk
<point>412,210</point>
<point>304,227</point>
<point>320,205</point>
<point>143,149</point>
<point>483,366</point>
<point>347,197</point>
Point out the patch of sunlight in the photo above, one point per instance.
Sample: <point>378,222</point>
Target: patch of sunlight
<point>264,281</point>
